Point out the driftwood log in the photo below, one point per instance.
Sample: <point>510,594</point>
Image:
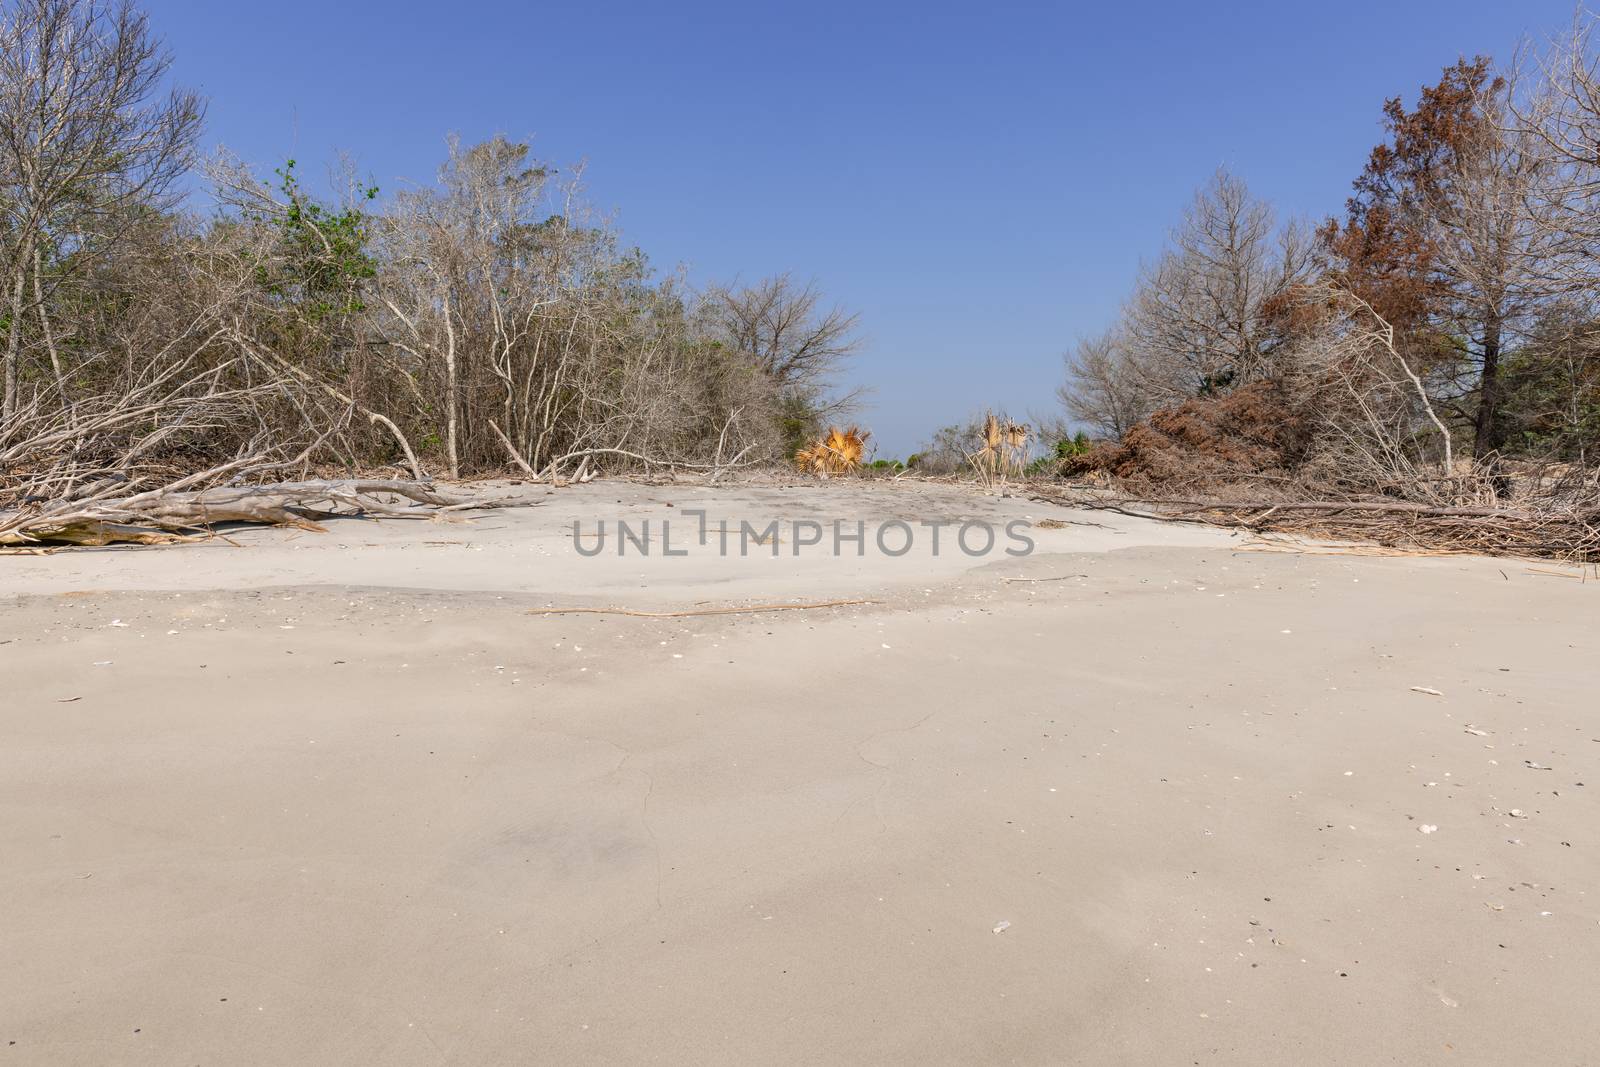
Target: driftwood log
<point>165,515</point>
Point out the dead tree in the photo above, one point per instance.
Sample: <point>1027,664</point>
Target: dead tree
<point>1197,322</point>
<point>88,140</point>
<point>783,327</point>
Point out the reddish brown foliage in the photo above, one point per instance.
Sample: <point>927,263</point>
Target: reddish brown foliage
<point>1387,264</point>
<point>1380,251</point>
<point>1253,430</point>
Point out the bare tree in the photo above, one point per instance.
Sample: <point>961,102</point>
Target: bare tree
<point>785,329</point>
<point>87,140</point>
<point>1203,319</point>
<point>1199,321</point>
<point>1558,121</point>
<point>525,332</point>
<point>1561,115</point>
<point>1102,390</point>
<point>464,292</point>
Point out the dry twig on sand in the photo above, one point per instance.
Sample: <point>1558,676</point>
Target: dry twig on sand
<point>1055,578</point>
<point>751,610</point>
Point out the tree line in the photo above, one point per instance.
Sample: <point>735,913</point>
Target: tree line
<point>490,320</point>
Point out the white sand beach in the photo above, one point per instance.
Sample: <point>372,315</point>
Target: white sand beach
<point>349,797</point>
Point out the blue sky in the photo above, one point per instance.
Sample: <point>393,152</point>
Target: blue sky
<point>980,182</point>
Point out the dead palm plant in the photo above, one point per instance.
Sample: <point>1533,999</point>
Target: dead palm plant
<point>1002,451</point>
<point>836,452</point>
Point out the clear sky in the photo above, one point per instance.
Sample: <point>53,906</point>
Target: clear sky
<point>979,181</point>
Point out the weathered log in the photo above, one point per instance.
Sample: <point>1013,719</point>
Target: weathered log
<point>161,516</point>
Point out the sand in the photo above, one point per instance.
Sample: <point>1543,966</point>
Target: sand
<point>341,798</point>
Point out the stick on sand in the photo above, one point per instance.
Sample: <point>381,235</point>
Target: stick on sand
<point>1054,578</point>
<point>753,609</point>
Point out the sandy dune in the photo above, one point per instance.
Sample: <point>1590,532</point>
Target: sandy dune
<point>341,798</point>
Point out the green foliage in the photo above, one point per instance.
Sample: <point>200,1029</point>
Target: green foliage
<point>323,262</point>
<point>1076,445</point>
<point>1065,448</point>
<point>887,465</point>
<point>1551,407</point>
<point>1043,467</point>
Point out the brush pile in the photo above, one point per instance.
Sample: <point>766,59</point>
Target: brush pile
<point>1565,528</point>
<point>1253,432</point>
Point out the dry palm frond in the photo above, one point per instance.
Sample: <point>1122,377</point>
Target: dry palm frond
<point>836,452</point>
<point>991,433</point>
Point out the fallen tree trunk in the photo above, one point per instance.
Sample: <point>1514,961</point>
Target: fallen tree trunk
<point>169,514</point>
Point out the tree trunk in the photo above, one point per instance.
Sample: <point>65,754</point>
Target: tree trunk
<point>8,406</point>
<point>46,333</point>
<point>450,388</point>
<point>1487,436</point>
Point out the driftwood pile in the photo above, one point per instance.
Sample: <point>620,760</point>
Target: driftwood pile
<point>1567,531</point>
